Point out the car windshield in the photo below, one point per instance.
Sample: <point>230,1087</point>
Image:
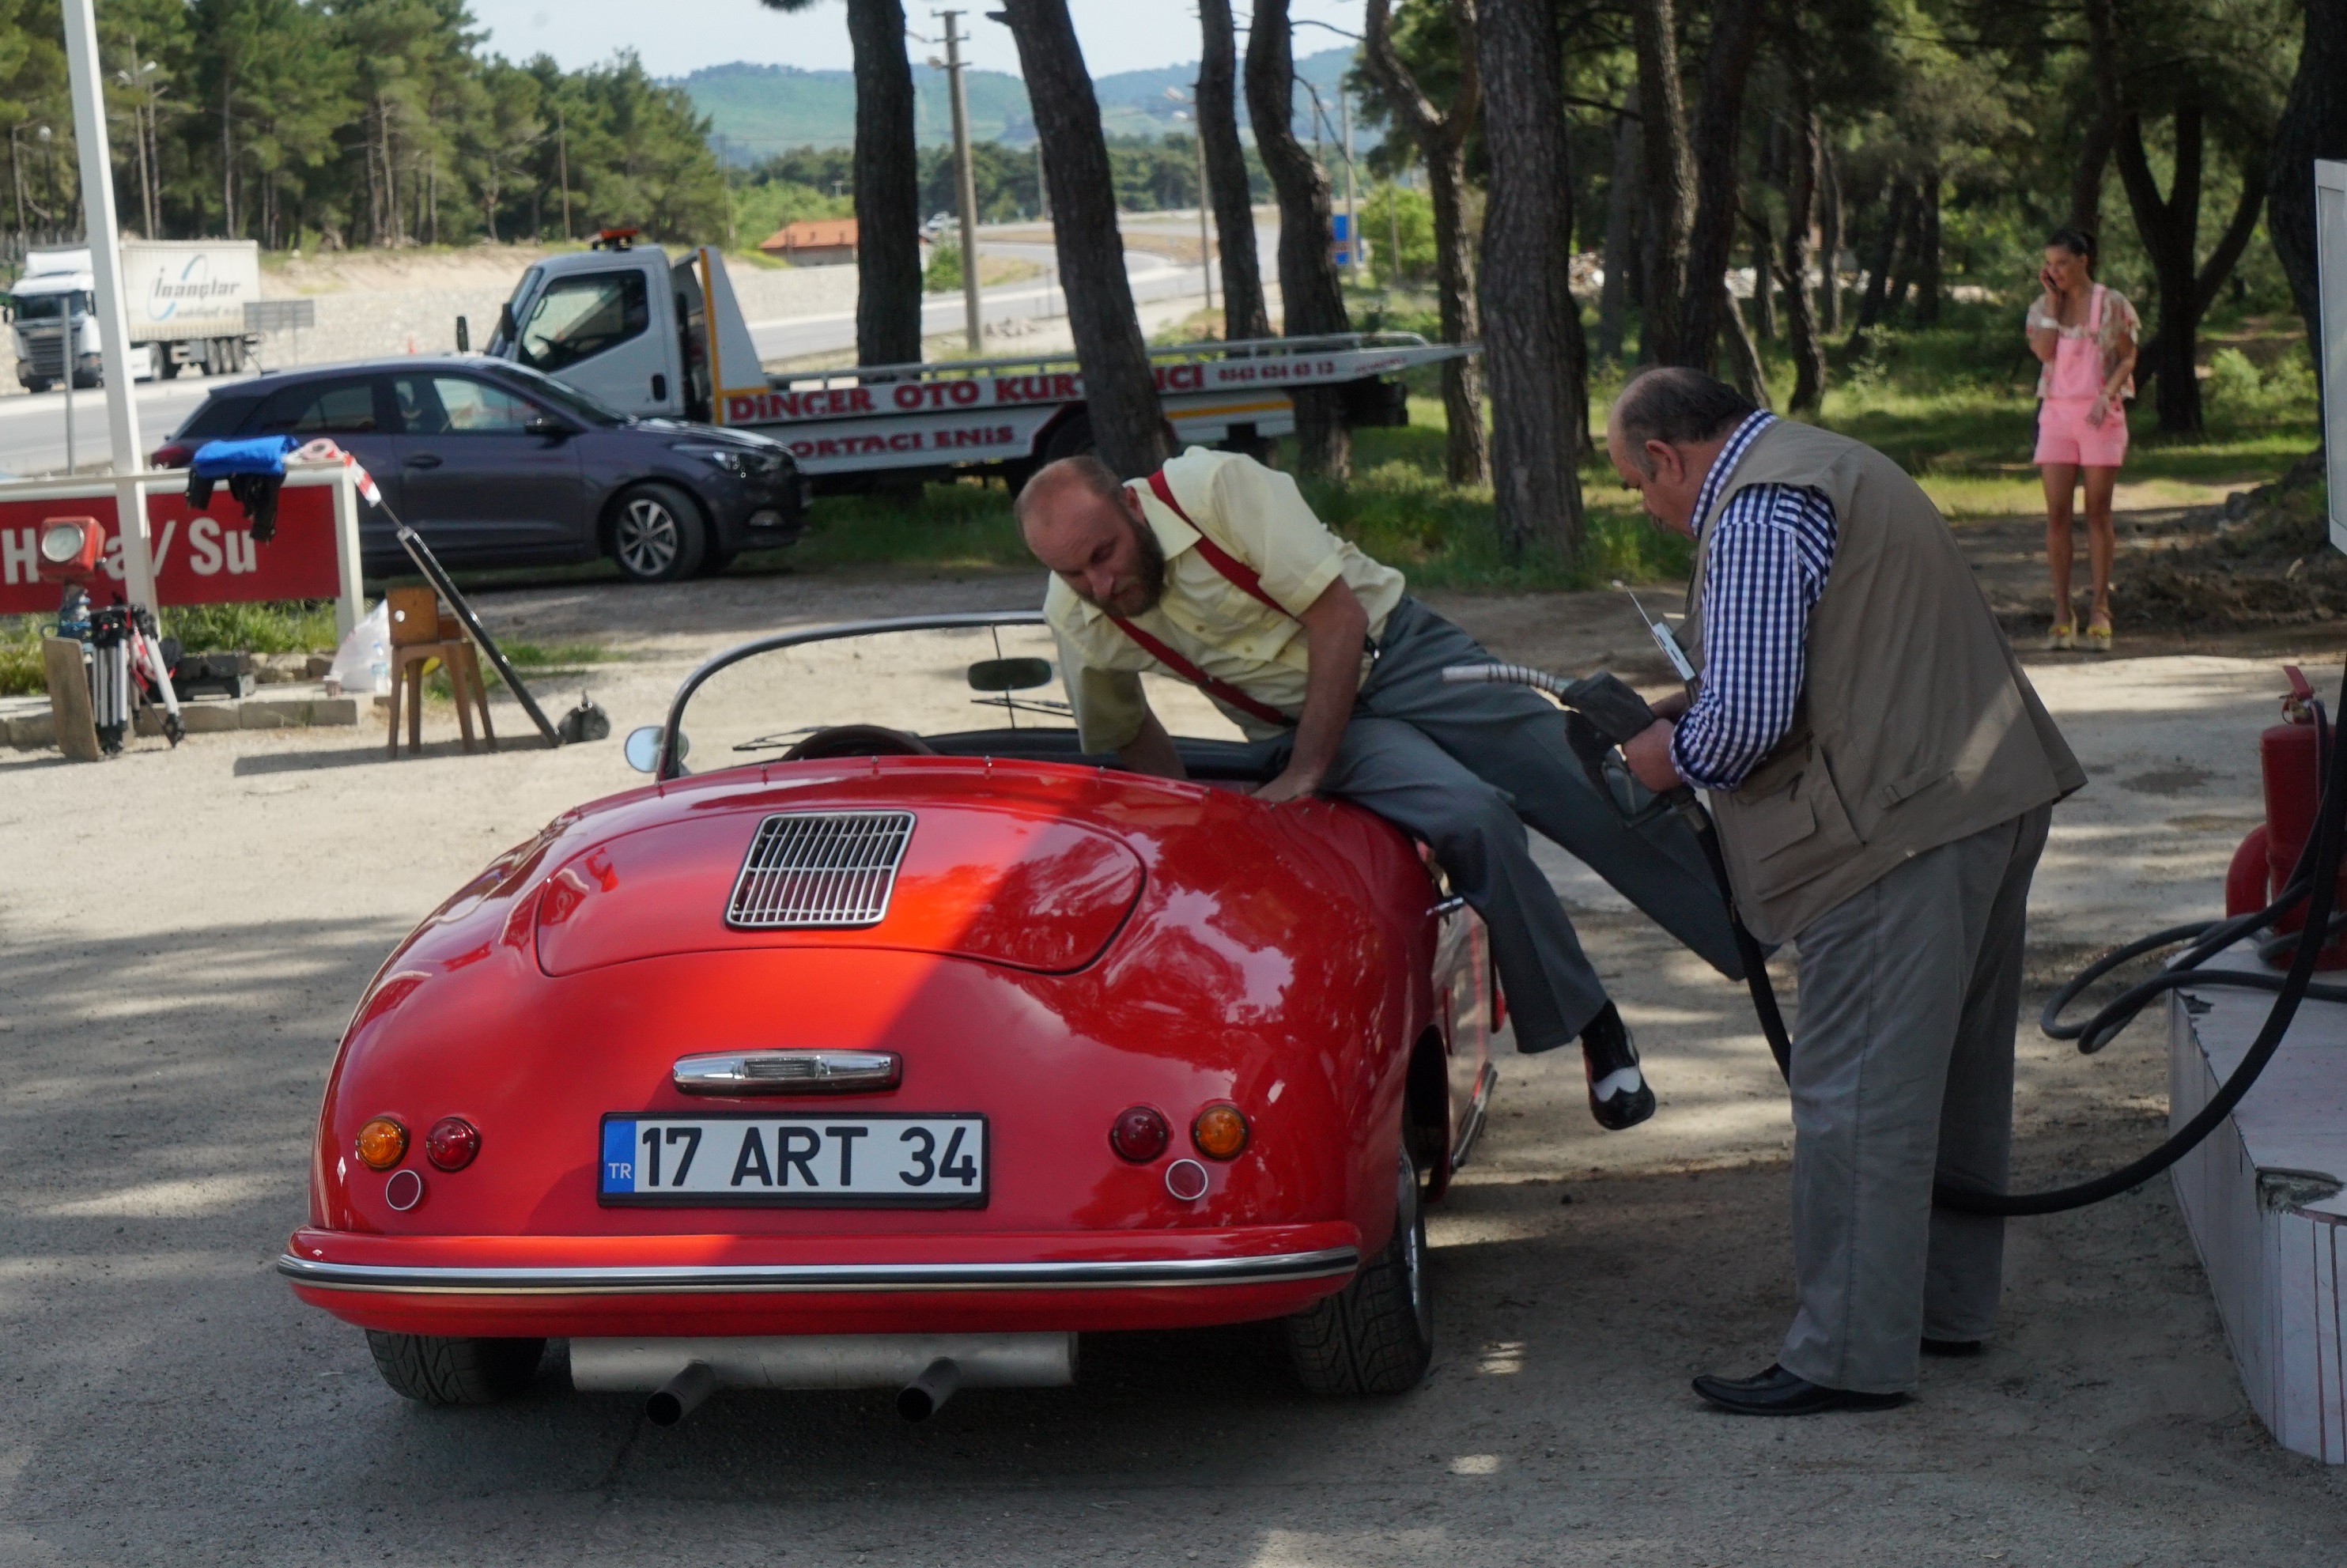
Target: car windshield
<point>921,682</point>
<point>569,399</point>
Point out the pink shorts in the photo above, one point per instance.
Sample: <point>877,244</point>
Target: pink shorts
<point>2064,436</point>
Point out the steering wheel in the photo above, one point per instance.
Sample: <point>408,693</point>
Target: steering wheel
<point>858,741</point>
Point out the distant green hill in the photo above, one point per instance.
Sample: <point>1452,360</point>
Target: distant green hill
<point>760,111</point>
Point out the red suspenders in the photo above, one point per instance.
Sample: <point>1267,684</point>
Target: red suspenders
<point>1240,576</point>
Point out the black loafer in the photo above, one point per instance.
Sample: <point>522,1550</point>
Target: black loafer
<point>1952,1347</point>
<point>1777,1392</point>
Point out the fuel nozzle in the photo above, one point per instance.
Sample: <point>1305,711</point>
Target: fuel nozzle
<point>1604,699</point>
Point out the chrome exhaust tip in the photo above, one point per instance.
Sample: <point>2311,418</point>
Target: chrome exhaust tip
<point>680,1395</point>
<point>926,1394</point>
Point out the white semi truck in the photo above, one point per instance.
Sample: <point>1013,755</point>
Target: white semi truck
<point>655,337</point>
<point>184,298</point>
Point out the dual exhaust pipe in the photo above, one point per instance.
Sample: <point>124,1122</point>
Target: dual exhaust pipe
<point>676,1375</point>
<point>916,1401</point>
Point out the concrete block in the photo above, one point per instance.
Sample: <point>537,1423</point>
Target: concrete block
<point>291,712</point>
<point>209,718</point>
<point>32,730</point>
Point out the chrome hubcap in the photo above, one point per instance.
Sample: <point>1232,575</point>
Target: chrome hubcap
<point>647,538</point>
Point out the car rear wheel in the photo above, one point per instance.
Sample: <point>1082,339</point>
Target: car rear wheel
<point>1377,1335</point>
<point>434,1371</point>
<point>657,535</point>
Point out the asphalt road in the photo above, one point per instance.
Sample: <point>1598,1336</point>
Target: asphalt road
<point>181,937</point>
<point>33,428</point>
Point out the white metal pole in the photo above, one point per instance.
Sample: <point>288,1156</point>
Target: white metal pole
<point>106,270</point>
<point>1352,211</point>
<point>1206,234</point>
<point>966,184</point>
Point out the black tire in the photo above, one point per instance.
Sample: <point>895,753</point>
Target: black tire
<point>434,1371</point>
<point>38,384</point>
<point>1377,1335</point>
<point>657,535</point>
<point>714,560</point>
<point>171,367</point>
<point>1073,438</point>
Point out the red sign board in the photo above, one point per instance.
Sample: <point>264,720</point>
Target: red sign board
<point>205,557</point>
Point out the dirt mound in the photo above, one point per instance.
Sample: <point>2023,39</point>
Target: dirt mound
<point>2263,558</point>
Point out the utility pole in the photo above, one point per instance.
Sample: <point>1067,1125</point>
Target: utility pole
<point>1205,200</point>
<point>1352,211</point>
<point>965,182</point>
<point>49,163</point>
<point>726,173</point>
<point>1043,183</point>
<point>562,167</point>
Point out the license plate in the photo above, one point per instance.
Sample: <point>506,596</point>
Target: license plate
<point>867,1160</point>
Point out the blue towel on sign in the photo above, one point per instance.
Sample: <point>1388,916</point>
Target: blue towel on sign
<point>260,454</point>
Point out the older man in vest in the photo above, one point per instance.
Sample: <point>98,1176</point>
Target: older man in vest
<point>1214,571</point>
<point>1883,774</point>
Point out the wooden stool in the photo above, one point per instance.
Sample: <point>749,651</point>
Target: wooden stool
<point>422,631</point>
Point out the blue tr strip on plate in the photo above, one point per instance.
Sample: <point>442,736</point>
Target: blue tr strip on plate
<point>618,1157</point>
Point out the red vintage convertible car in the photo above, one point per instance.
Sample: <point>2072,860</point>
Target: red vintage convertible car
<point>900,1057</point>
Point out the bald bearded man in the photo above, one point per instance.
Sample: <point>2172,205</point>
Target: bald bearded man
<point>1214,571</point>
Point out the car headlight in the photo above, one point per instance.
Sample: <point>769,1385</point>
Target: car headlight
<point>741,462</point>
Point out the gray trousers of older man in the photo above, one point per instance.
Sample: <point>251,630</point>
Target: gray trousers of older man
<point>1903,1071</point>
<point>1465,768</point>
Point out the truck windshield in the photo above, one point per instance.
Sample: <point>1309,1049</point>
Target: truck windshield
<point>48,307</point>
<point>579,317</point>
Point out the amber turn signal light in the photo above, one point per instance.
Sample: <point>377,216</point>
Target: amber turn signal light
<point>383,1143</point>
<point>1139,1134</point>
<point>1220,1131</point>
<point>452,1142</point>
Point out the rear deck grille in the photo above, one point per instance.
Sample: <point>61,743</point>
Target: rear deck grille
<point>818,868</point>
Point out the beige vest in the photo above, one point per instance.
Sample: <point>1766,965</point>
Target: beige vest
<point>1915,725</point>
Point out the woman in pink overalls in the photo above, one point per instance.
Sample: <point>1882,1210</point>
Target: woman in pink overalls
<point>2086,335</point>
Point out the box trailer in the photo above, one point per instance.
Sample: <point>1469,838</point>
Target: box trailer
<point>184,300</point>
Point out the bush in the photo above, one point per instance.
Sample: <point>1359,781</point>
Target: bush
<point>943,274</point>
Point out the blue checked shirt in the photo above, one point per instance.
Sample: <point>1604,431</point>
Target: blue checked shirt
<point>1770,550</point>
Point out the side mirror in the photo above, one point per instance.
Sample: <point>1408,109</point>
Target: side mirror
<point>1009,674</point>
<point>547,426</point>
<point>643,747</point>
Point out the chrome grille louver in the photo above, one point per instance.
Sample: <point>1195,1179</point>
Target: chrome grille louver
<point>818,868</point>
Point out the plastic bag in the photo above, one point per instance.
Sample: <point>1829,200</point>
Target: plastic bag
<point>363,663</point>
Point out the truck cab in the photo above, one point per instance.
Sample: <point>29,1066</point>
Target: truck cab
<point>51,322</point>
<point>620,323</point>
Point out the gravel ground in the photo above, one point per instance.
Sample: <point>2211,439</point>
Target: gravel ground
<point>184,934</point>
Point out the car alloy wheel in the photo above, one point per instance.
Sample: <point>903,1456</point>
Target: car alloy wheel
<point>646,539</point>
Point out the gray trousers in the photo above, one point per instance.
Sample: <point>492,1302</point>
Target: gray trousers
<point>1902,1070</point>
<point>1465,768</point>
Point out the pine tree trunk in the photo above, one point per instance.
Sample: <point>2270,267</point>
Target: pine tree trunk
<point>1742,354</point>
<point>1927,258</point>
<point>1830,220</point>
<point>1735,38</point>
<point>2314,125</point>
<point>1119,391</point>
<point>1800,194</point>
<point>1312,299</point>
<point>1534,351</point>
<point>888,188</point>
<point>1442,140</point>
<point>1244,313</point>
<point>1621,238</point>
<point>1764,273</point>
<point>1669,168</point>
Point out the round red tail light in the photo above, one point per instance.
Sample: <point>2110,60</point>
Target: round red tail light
<point>452,1142</point>
<point>1139,1134</point>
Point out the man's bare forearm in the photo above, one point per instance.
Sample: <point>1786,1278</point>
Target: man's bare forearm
<point>1152,752</point>
<point>1336,625</point>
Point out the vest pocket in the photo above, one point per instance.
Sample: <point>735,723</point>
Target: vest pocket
<point>1790,836</point>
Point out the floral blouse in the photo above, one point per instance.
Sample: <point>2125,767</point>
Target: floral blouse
<point>2120,324</point>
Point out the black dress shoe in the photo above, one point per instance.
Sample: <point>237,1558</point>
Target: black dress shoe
<point>1619,1094</point>
<point>1777,1392</point>
<point>1952,1347</point>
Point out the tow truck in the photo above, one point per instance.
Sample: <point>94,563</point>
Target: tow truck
<point>656,337</point>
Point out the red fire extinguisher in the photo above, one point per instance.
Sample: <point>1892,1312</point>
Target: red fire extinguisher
<point>2289,756</point>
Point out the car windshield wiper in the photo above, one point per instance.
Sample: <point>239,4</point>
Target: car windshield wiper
<point>779,740</point>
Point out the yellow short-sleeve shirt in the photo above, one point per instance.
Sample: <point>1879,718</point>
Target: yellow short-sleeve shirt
<point>1257,515</point>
